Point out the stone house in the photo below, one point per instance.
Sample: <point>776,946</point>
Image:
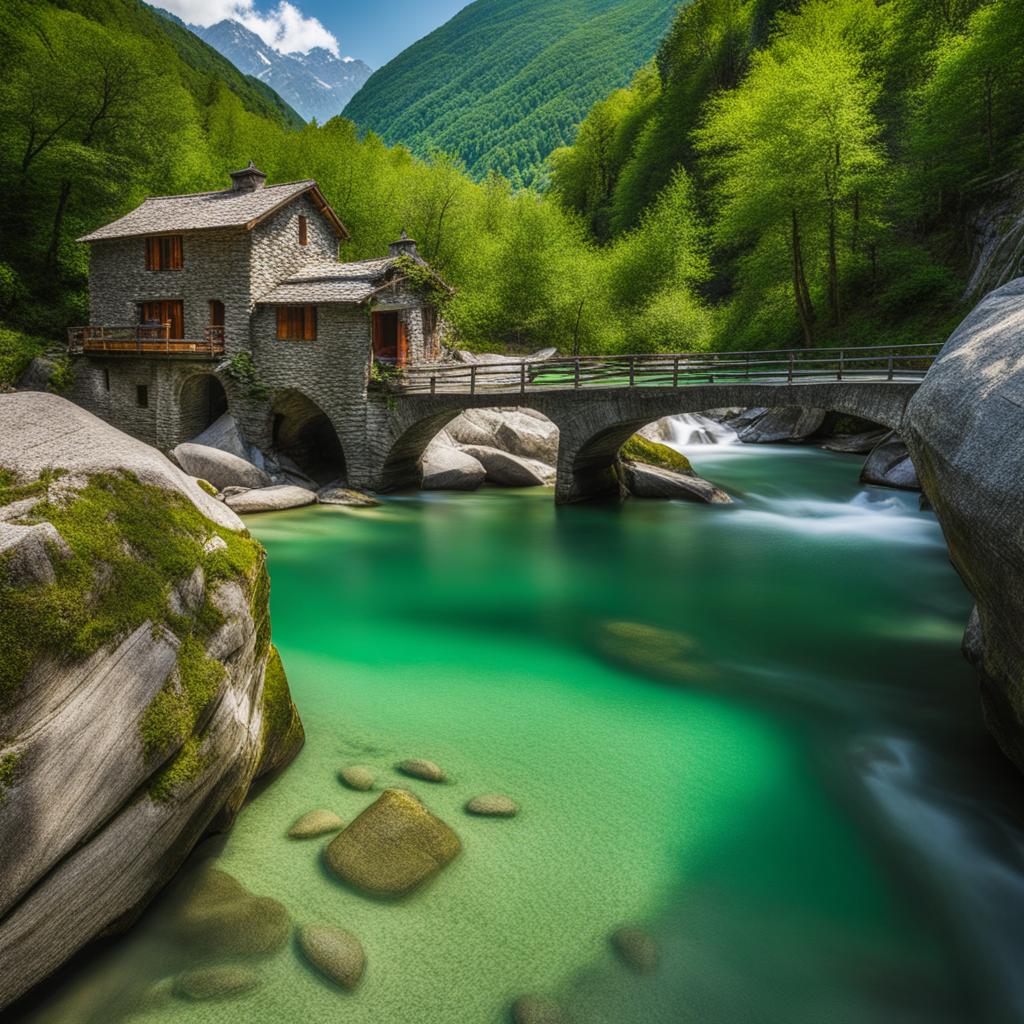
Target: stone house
<point>237,299</point>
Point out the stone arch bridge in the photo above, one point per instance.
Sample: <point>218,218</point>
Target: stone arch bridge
<point>599,402</point>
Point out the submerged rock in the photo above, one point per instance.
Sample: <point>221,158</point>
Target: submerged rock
<point>336,953</point>
<point>493,805</point>
<point>358,777</point>
<point>315,823</point>
<point>637,949</point>
<point>219,982</point>
<point>890,465</point>
<point>644,481</point>
<point>271,499</point>
<point>218,915</point>
<point>334,494</point>
<point>662,653</point>
<point>220,468</point>
<point>394,846</point>
<point>419,768</point>
<point>534,1009</point>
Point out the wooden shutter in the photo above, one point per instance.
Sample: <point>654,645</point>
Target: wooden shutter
<point>303,231</point>
<point>309,324</point>
<point>152,253</point>
<point>175,259</point>
<point>282,323</point>
<point>403,343</point>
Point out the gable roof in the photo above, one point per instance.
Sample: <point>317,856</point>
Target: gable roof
<point>227,208</point>
<point>325,283</point>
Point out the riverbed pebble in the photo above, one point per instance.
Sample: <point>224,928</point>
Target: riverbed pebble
<point>392,847</point>
<point>315,823</point>
<point>335,952</point>
<point>493,805</point>
<point>637,949</point>
<point>419,768</point>
<point>356,776</point>
<point>220,982</point>
<point>534,1009</point>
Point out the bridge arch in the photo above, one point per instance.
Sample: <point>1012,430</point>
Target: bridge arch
<point>300,430</point>
<point>201,401</point>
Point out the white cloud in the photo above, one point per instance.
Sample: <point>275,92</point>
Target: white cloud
<point>283,27</point>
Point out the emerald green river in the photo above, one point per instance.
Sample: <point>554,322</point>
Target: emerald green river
<point>745,729</point>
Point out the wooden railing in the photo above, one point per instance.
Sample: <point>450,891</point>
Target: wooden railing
<point>685,369</point>
<point>143,339</point>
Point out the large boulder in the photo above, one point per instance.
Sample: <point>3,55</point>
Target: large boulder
<point>511,470</point>
<point>643,481</point>
<point>444,467</point>
<point>776,426</point>
<point>221,468</point>
<point>964,428</point>
<point>516,431</point>
<point>394,846</point>
<point>128,728</point>
<point>890,465</point>
<point>278,498</point>
<point>224,435</point>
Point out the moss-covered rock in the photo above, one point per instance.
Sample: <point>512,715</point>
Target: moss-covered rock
<point>221,981</point>
<point>641,449</point>
<point>394,846</point>
<point>315,823</point>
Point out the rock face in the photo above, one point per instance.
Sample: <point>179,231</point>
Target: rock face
<point>221,468</point>
<point>270,499</point>
<point>890,465</point>
<point>336,953</point>
<point>964,429</point>
<point>394,846</point>
<point>133,727</point>
<point>445,468</point>
<point>644,481</point>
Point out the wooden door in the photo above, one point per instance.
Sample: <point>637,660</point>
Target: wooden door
<point>403,344</point>
<point>385,337</point>
<point>166,311</point>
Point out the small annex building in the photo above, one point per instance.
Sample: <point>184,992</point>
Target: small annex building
<point>237,299</point>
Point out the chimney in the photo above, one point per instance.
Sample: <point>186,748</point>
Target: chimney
<point>405,246</point>
<point>248,180</point>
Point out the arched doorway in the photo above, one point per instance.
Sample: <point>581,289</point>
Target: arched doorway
<point>302,431</point>
<point>201,401</point>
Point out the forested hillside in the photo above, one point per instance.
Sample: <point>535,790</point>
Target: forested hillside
<point>505,81</point>
<point>841,154</point>
<point>775,177</point>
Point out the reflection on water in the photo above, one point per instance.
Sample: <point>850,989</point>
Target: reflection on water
<point>746,730</point>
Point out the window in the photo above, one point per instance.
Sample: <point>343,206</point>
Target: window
<point>142,396</point>
<point>216,313</point>
<point>164,253</point>
<point>163,319</point>
<point>296,323</point>
<point>303,231</point>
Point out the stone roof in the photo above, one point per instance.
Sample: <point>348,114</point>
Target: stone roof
<point>326,283</point>
<point>198,211</point>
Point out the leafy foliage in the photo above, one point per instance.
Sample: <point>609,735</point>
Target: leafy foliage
<point>504,83</point>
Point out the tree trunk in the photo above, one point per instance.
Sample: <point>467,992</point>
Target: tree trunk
<point>804,309</point>
<point>53,252</point>
<point>833,265</point>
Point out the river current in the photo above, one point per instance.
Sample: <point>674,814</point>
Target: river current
<point>745,729</point>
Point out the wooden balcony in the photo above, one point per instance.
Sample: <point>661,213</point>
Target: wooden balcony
<point>144,340</point>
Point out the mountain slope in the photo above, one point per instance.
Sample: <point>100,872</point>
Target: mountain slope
<point>504,83</point>
<point>317,84</point>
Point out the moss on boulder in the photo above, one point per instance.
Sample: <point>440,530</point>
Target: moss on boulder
<point>641,449</point>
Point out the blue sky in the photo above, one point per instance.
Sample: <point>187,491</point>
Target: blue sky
<point>370,30</point>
